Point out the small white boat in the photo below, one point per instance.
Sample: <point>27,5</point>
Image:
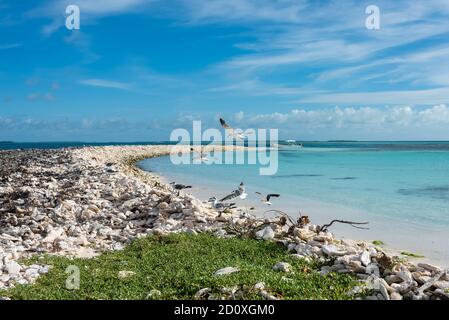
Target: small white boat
<point>293,143</point>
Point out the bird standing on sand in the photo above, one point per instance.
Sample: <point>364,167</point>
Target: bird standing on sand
<point>220,206</point>
<point>266,199</point>
<point>202,156</point>
<point>179,186</point>
<point>240,192</point>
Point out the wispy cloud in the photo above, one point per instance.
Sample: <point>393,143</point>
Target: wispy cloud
<point>106,84</point>
<point>68,124</point>
<point>287,11</point>
<point>90,10</point>
<point>10,46</point>
<point>426,97</point>
<point>37,96</point>
<point>336,51</point>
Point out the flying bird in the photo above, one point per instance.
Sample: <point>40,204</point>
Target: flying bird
<point>266,199</point>
<point>231,131</point>
<point>240,192</point>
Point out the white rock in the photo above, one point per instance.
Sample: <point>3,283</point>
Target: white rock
<point>4,278</point>
<point>221,233</point>
<point>383,290</point>
<point>444,285</point>
<point>392,279</point>
<point>154,294</point>
<point>259,286</point>
<point>282,266</point>
<point>121,215</point>
<point>395,296</point>
<point>429,267</point>
<point>125,274</point>
<point>332,251</point>
<point>31,272</point>
<point>267,296</point>
<point>191,231</point>
<point>201,293</point>
<point>53,235</point>
<point>225,271</point>
<point>405,275</point>
<point>300,257</point>
<point>325,270</point>
<point>266,233</point>
<point>304,249</point>
<point>13,268</point>
<point>443,293</point>
<point>303,234</point>
<point>44,269</point>
<point>81,241</point>
<point>365,258</point>
<point>404,287</point>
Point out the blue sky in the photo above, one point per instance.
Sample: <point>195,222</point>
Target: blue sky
<point>137,69</point>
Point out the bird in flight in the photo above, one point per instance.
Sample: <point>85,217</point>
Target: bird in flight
<point>231,131</point>
<point>240,192</point>
<point>266,199</point>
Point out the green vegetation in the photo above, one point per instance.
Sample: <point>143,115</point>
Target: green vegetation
<point>180,265</point>
<point>412,255</point>
<point>378,242</point>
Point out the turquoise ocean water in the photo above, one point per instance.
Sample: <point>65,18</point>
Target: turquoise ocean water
<point>402,189</point>
<point>406,181</point>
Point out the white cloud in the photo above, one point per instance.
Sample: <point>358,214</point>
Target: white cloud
<point>436,114</point>
<point>363,117</point>
<point>427,96</point>
<point>239,116</point>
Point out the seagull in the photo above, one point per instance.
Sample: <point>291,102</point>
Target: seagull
<point>266,199</point>
<point>240,192</point>
<point>220,206</point>
<point>179,186</point>
<point>231,131</point>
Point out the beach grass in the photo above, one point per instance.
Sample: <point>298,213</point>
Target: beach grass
<point>176,266</point>
<point>378,243</point>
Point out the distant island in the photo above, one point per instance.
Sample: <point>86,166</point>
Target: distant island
<point>342,141</point>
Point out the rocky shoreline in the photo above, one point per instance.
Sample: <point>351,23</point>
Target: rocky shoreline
<point>81,202</point>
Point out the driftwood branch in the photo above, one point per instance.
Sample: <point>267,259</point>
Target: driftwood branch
<point>351,223</point>
<point>283,214</point>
